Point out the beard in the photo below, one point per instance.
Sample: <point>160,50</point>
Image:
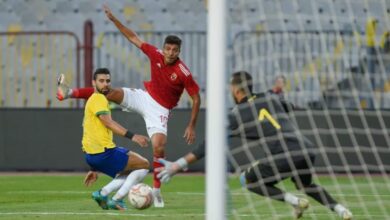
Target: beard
<point>104,91</point>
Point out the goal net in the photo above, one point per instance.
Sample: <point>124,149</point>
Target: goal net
<point>334,58</point>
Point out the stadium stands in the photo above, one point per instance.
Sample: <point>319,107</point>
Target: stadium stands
<point>181,15</point>
<point>32,13</point>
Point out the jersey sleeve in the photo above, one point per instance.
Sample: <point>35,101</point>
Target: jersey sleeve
<point>233,123</point>
<point>233,130</point>
<point>100,105</point>
<point>189,83</point>
<point>150,50</point>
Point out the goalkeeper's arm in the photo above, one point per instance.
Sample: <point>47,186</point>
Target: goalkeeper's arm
<point>171,168</point>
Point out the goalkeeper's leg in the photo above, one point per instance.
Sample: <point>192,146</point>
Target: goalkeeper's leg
<point>304,182</point>
<point>264,184</point>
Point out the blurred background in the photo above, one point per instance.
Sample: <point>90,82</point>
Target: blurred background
<point>329,51</point>
<point>332,57</point>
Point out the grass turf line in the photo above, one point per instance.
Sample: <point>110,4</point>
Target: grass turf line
<point>64,197</point>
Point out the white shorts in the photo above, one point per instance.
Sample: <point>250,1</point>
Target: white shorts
<point>155,115</point>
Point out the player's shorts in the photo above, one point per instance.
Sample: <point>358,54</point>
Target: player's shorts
<point>110,162</point>
<point>297,168</point>
<point>155,115</point>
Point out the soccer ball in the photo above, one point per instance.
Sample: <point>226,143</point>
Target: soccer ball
<point>141,196</point>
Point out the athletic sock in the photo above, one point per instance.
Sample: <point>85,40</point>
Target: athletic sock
<point>339,209</point>
<point>291,199</point>
<point>156,191</point>
<point>156,170</point>
<point>82,93</point>
<point>115,184</point>
<point>133,178</point>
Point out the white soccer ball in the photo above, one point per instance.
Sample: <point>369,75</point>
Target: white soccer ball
<point>141,196</point>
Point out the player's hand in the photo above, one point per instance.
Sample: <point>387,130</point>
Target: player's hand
<point>189,134</point>
<point>90,178</point>
<point>170,169</point>
<point>141,140</point>
<point>108,12</point>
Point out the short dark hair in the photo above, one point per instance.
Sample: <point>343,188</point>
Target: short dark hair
<point>173,39</point>
<point>243,80</point>
<point>100,71</point>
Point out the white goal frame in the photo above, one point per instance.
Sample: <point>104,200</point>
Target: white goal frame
<point>216,112</point>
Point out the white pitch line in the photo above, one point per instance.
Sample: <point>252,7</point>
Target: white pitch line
<point>168,215</point>
<point>49,192</point>
<point>180,193</point>
<point>97,213</point>
<point>246,193</point>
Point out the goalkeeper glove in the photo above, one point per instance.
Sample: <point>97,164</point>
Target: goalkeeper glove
<point>171,168</point>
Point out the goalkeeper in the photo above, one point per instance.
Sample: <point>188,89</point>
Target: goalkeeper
<point>287,153</point>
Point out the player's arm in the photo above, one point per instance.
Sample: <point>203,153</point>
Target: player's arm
<point>120,130</point>
<point>189,133</point>
<point>127,32</point>
<point>233,123</point>
<point>171,168</point>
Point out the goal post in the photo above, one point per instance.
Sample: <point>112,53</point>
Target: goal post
<point>335,60</point>
<point>216,112</point>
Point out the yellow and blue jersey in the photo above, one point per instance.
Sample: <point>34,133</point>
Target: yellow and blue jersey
<point>96,136</point>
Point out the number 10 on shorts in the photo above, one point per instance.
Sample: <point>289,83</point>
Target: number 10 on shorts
<point>164,120</point>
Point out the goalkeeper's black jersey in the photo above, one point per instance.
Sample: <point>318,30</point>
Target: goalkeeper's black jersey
<point>264,118</point>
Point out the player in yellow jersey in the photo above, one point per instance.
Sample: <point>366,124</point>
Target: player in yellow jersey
<point>126,167</point>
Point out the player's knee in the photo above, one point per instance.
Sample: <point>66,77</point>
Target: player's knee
<point>158,141</point>
<point>158,151</point>
<point>145,163</point>
<point>136,161</point>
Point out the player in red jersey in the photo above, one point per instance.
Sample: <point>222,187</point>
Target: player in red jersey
<point>169,77</point>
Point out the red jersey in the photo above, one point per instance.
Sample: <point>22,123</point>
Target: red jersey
<point>167,81</point>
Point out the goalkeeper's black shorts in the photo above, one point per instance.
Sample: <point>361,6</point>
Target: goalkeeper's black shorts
<point>297,168</point>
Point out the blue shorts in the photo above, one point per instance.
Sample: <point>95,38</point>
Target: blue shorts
<point>111,162</point>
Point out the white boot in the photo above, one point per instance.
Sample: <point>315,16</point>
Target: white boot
<point>158,200</point>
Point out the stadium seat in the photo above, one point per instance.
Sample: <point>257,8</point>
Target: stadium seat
<point>65,7</point>
<point>88,7</point>
<point>358,8</point>
<point>270,10</point>
<point>306,7</point>
<point>288,8</point>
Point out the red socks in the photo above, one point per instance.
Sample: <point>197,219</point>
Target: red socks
<point>82,93</point>
<point>156,170</point>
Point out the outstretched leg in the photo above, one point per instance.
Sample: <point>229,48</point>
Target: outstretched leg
<point>304,182</point>
<point>64,92</point>
<point>261,180</point>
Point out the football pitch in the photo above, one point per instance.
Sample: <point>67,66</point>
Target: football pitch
<point>63,196</point>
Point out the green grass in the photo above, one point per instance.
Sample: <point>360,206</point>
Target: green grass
<point>64,197</point>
